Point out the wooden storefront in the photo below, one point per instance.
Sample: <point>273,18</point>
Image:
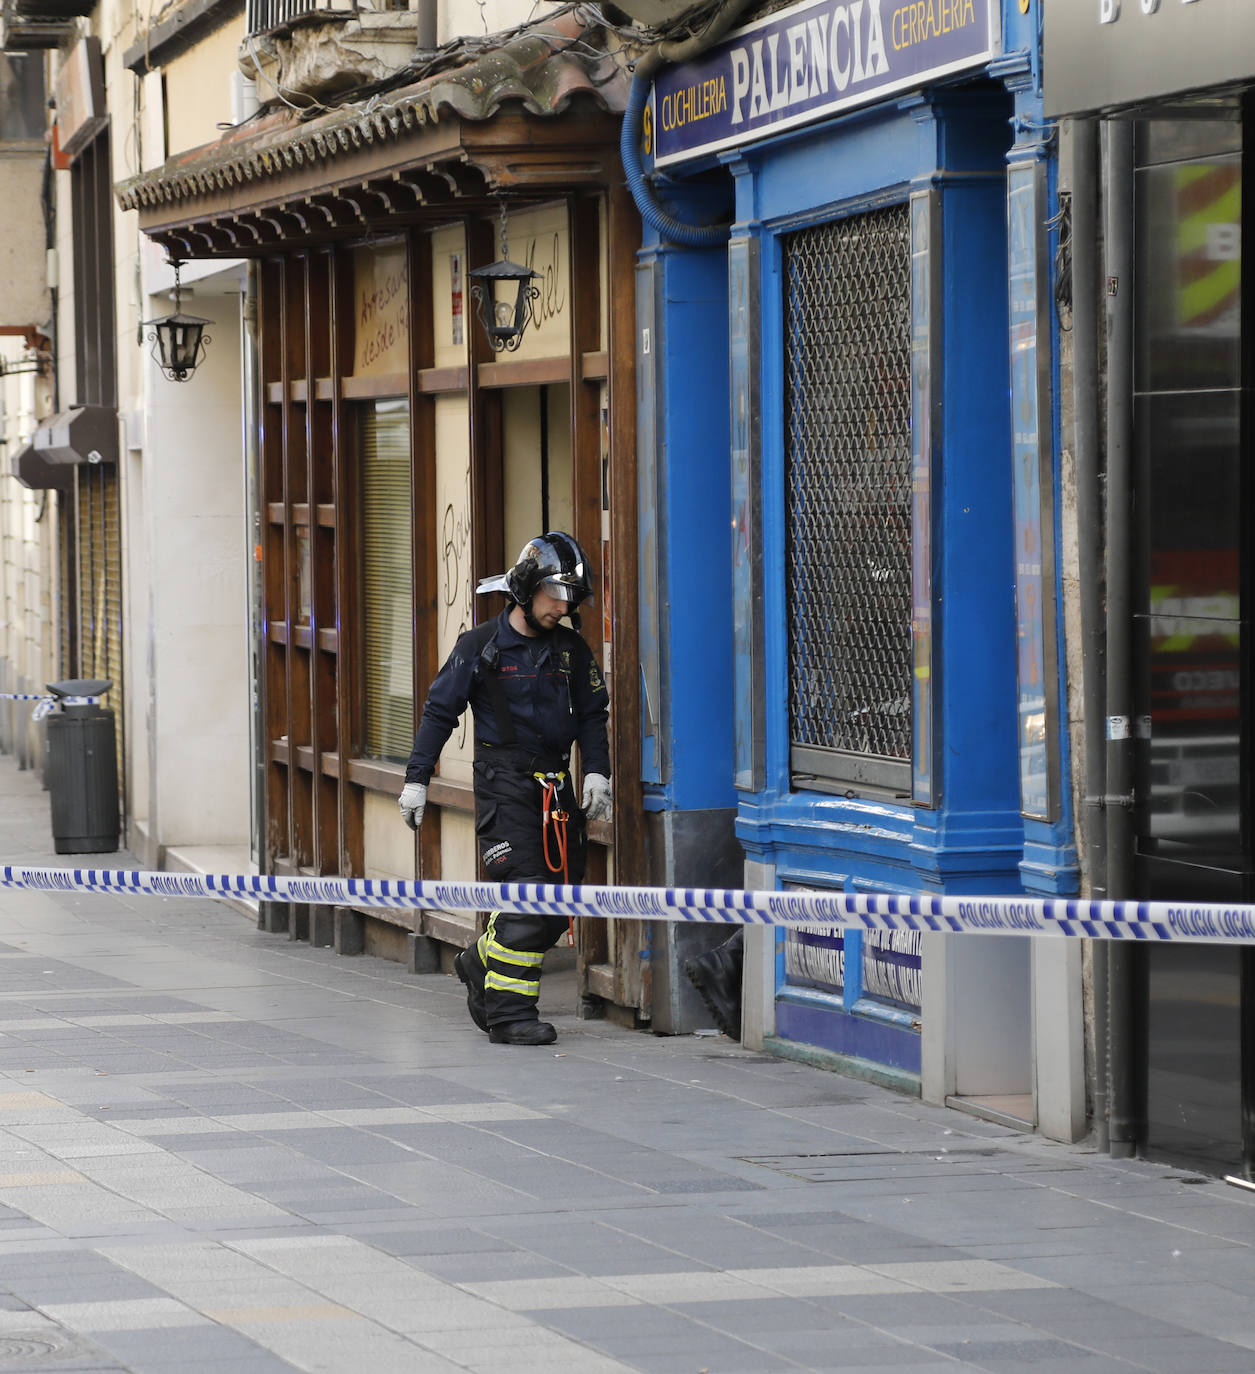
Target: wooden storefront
<point>401,460</point>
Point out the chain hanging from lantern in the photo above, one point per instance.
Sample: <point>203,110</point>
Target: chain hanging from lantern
<point>504,296</point>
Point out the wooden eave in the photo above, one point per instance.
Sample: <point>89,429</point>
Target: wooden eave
<point>527,121</point>
<point>449,169</point>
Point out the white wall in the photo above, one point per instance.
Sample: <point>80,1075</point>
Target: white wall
<point>758,970</point>
<point>193,540</point>
<point>1002,1015</point>
<point>27,559</point>
<point>468,18</point>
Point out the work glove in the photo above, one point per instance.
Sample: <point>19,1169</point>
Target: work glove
<point>413,802</point>
<point>596,802</point>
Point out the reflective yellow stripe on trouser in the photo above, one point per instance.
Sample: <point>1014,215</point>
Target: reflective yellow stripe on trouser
<point>493,954</point>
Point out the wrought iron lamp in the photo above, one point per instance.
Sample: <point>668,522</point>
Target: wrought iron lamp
<point>504,297</point>
<point>178,340</point>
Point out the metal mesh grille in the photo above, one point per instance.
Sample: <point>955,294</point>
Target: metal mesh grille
<point>848,484</point>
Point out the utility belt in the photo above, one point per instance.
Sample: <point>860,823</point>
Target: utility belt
<point>519,757</point>
<point>510,770</point>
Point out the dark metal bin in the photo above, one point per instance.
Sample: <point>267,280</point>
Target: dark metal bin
<point>83,770</point>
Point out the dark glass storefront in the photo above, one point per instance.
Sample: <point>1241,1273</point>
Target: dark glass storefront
<point>1192,418</point>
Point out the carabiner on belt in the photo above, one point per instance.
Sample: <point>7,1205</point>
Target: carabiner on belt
<point>552,818</point>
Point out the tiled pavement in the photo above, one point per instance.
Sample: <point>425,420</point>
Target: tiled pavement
<point>224,1151</point>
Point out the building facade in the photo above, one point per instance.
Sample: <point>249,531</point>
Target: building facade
<point>394,458</point>
<point>1155,104</point>
<point>883,361</point>
<point>868,620</point>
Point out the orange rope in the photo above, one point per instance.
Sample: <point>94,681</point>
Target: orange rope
<point>549,811</point>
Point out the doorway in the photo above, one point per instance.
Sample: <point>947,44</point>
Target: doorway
<point>1192,414</point>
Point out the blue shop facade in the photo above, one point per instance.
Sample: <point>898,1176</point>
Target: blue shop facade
<point>850,525</point>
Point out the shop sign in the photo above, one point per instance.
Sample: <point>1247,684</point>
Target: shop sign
<point>1104,53</point>
<point>810,61</point>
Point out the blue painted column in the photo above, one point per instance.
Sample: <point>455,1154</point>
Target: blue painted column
<point>1049,864</point>
<point>967,830</point>
<point>745,331</point>
<point>685,507</point>
<point>685,518</point>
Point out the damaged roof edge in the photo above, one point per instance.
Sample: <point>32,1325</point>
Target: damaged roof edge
<point>545,69</point>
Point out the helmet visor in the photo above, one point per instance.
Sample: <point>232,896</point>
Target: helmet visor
<point>560,591</point>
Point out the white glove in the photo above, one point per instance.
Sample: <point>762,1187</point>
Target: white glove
<point>413,802</point>
<point>596,802</point>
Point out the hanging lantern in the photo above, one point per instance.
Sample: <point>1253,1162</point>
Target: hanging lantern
<point>504,296</point>
<point>178,340</point>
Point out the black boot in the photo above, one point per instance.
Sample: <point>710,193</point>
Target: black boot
<point>471,972</point>
<point>717,977</point>
<point>522,1033</point>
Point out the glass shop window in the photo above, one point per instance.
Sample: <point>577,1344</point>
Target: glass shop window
<point>387,595</point>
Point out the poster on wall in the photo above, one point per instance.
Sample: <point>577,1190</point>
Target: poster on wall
<point>455,296</point>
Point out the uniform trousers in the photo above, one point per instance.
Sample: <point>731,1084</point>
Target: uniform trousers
<point>515,849</point>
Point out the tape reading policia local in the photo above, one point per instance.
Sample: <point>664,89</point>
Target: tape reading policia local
<point>45,704</point>
<point>1179,921</point>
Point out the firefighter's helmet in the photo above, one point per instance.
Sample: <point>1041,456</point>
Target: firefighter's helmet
<point>553,561</point>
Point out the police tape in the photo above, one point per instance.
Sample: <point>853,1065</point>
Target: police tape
<point>46,704</point>
<point>1151,921</point>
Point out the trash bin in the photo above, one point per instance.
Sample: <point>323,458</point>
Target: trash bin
<point>82,770</point>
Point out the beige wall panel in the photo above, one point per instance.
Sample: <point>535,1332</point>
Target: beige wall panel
<point>540,240</point>
<point>475,18</point>
<point>521,427</point>
<point>152,124</point>
<point>603,266</point>
<point>459,854</point>
<point>524,515</point>
<point>454,594</point>
<point>449,298</point>
<point>127,144</point>
<point>380,311</point>
<point>561,480</point>
<point>387,842</point>
<point>66,352</point>
<point>24,297</point>
<point>198,88</point>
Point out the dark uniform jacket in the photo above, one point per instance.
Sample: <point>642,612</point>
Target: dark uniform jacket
<point>553,687</point>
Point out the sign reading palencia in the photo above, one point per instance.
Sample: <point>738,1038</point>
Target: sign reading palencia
<point>811,60</point>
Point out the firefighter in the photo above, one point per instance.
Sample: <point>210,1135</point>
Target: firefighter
<point>534,690</point>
